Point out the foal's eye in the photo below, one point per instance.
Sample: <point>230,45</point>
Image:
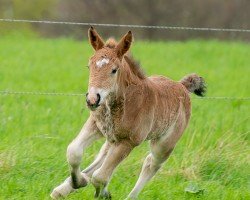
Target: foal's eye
<point>114,71</point>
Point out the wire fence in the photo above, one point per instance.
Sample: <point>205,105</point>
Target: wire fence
<point>38,93</point>
<point>22,93</point>
<point>127,25</point>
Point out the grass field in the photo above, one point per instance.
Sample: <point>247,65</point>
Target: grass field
<point>213,154</point>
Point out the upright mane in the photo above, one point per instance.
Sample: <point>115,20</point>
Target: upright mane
<point>111,43</point>
<point>135,67</point>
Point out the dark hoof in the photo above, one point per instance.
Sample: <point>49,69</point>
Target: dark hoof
<point>105,195</point>
<point>97,192</point>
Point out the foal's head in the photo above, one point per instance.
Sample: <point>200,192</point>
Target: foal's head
<point>104,66</point>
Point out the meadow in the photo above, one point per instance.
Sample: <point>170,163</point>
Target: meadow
<point>211,160</point>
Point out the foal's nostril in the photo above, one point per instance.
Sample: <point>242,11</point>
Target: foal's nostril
<point>98,99</point>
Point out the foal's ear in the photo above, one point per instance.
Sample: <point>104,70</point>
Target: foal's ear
<point>124,44</point>
<point>95,39</point>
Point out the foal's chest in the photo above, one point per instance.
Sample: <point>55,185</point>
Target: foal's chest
<point>107,121</point>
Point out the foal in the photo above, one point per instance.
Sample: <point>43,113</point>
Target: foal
<point>127,108</point>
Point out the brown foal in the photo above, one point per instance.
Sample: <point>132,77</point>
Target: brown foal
<point>127,108</point>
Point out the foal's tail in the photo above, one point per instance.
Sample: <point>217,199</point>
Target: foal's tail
<point>194,84</point>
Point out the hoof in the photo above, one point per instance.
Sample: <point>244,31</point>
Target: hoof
<point>97,192</point>
<point>104,194</point>
<point>62,190</point>
<point>55,195</point>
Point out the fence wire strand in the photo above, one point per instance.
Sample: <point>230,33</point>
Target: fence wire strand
<point>127,25</point>
<point>40,93</point>
<point>19,93</point>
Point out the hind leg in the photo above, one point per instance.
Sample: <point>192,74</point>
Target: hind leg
<point>151,165</point>
<point>160,151</point>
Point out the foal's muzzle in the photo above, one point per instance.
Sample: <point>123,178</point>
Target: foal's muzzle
<point>93,100</point>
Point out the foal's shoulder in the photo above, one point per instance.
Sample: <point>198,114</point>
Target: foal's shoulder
<point>138,97</point>
<point>136,93</point>
<point>138,104</point>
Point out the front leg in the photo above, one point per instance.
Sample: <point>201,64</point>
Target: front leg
<point>88,134</point>
<point>101,177</point>
<point>98,160</point>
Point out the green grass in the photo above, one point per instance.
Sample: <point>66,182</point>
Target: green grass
<point>35,130</point>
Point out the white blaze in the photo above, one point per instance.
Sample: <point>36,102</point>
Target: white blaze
<point>102,62</point>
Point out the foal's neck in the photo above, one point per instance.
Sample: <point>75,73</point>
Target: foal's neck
<point>127,76</point>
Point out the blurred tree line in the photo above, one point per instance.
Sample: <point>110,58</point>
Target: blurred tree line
<point>194,13</point>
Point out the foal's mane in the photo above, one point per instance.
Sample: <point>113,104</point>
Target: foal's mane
<point>135,67</point>
<point>131,62</point>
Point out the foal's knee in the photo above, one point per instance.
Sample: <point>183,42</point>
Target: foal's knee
<point>99,179</point>
<point>74,154</point>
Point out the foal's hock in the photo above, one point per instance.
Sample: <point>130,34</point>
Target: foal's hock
<point>127,108</point>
